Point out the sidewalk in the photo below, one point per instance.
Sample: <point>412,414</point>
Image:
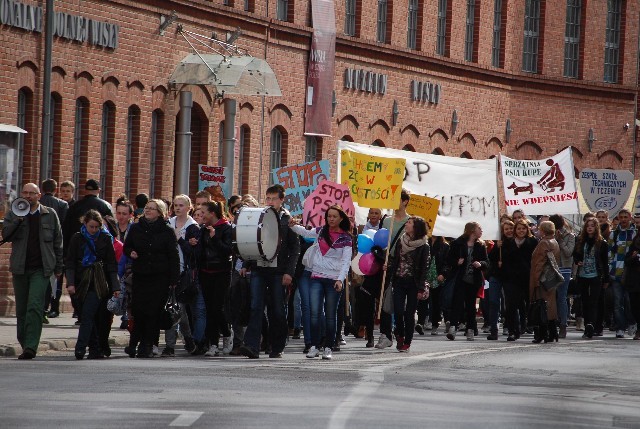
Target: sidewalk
<point>60,334</point>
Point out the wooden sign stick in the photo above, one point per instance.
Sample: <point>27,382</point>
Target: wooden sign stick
<point>386,261</point>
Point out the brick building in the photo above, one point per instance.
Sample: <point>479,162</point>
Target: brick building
<point>468,78</point>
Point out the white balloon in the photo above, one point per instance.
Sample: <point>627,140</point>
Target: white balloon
<point>355,264</point>
<point>370,233</point>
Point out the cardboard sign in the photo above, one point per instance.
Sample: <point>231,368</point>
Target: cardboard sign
<point>425,207</point>
<point>374,181</point>
<point>324,196</point>
<point>544,186</point>
<point>299,181</point>
<point>466,188</point>
<point>215,181</point>
<point>606,190</point>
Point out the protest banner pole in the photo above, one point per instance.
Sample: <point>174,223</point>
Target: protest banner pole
<point>347,284</point>
<point>386,261</point>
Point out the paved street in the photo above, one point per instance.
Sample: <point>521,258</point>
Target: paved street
<point>439,384</point>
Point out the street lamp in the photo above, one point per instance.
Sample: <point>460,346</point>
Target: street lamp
<point>591,139</point>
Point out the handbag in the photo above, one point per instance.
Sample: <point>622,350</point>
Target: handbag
<point>551,278</point>
<point>187,288</point>
<point>432,274</point>
<point>171,313</point>
<point>387,299</point>
<point>537,313</point>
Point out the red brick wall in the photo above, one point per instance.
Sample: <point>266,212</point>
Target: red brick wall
<point>547,112</point>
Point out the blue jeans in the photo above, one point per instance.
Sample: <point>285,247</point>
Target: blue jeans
<point>619,298</point>
<point>447,298</point>
<point>198,317</point>
<point>322,291</point>
<point>561,297</point>
<point>297,310</point>
<point>95,324</point>
<point>495,298</point>
<point>267,285</point>
<point>304,288</point>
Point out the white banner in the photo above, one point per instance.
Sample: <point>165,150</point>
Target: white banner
<point>466,188</point>
<point>538,187</point>
<point>606,190</point>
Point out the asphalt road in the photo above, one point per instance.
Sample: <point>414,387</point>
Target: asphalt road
<point>439,384</point>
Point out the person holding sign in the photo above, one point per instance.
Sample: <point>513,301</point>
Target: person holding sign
<point>467,259</point>
<point>395,224</point>
<point>409,275</point>
<point>330,261</point>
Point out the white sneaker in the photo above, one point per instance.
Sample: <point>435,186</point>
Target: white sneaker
<point>342,341</point>
<point>227,344</point>
<point>579,324</point>
<point>447,325</point>
<point>434,330</point>
<point>451,334</point>
<point>619,333</point>
<point>213,351</point>
<point>470,335</point>
<point>327,354</point>
<point>505,331</point>
<point>313,352</point>
<point>384,342</point>
<point>156,351</point>
<point>632,329</point>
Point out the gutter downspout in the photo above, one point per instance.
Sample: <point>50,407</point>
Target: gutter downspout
<point>266,43</point>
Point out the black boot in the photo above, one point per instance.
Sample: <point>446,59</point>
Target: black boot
<point>540,334</point>
<point>552,332</point>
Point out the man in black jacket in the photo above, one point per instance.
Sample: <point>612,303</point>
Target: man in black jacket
<point>49,187</point>
<point>272,283</point>
<point>90,201</point>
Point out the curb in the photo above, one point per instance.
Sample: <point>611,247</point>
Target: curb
<point>10,350</point>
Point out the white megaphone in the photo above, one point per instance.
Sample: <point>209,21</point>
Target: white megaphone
<point>20,207</point>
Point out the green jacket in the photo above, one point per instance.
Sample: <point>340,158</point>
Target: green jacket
<point>50,241</point>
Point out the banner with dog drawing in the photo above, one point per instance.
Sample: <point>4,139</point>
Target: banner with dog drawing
<point>545,186</point>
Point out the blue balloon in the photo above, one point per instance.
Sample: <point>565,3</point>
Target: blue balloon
<point>381,238</point>
<point>364,243</point>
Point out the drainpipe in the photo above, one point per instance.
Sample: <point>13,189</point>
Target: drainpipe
<point>183,145</point>
<point>228,144</point>
<point>46,96</point>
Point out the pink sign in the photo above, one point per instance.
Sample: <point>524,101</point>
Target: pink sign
<point>324,196</point>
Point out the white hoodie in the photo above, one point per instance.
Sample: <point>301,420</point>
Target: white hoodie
<point>181,234</point>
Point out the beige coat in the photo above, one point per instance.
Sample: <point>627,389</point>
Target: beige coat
<point>538,260</point>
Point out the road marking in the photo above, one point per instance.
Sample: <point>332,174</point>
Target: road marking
<point>184,418</point>
<point>372,378</point>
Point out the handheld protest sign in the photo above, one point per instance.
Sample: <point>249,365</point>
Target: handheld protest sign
<point>374,181</point>
<point>606,190</point>
<point>324,196</point>
<point>299,180</point>
<point>426,208</point>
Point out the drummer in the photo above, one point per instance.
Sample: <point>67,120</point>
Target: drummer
<point>272,282</point>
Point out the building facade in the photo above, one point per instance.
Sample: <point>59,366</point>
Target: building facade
<point>469,78</point>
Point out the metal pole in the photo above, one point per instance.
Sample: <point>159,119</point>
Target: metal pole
<point>46,93</point>
<point>228,144</point>
<point>183,145</point>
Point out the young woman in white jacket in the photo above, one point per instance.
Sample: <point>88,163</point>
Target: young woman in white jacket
<point>330,259</point>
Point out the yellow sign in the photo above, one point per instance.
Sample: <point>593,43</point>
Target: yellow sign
<point>425,207</point>
<point>374,181</point>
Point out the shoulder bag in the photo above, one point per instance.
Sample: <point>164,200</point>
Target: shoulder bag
<point>551,278</point>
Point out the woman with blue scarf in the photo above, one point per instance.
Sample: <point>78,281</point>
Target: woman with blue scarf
<point>91,270</point>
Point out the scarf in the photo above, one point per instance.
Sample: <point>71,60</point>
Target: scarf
<point>407,245</point>
<point>90,254</point>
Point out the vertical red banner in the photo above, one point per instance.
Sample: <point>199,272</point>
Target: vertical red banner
<point>320,76</point>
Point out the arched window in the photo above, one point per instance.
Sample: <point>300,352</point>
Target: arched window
<point>347,138</point>
<point>378,143</point>
<point>278,156</point>
<point>311,149</point>
<point>133,149</point>
<point>55,136</point>
<point>244,140</point>
<point>80,138</point>
<point>107,141</point>
<point>409,148</point>
<point>157,143</point>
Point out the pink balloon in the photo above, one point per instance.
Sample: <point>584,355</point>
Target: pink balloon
<point>368,264</point>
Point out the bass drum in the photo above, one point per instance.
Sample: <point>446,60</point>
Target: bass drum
<point>256,235</point>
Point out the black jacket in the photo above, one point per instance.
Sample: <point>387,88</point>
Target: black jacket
<point>631,276</point>
<point>420,259</point>
<point>189,252</point>
<point>156,246</point>
<point>59,206</point>
<point>215,253</point>
<point>104,252</point>
<point>602,258</point>
<point>459,250</point>
<point>289,249</point>
<point>516,261</point>
<point>439,254</point>
<point>72,222</point>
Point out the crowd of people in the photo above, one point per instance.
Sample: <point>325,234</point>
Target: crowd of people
<point>166,251</point>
